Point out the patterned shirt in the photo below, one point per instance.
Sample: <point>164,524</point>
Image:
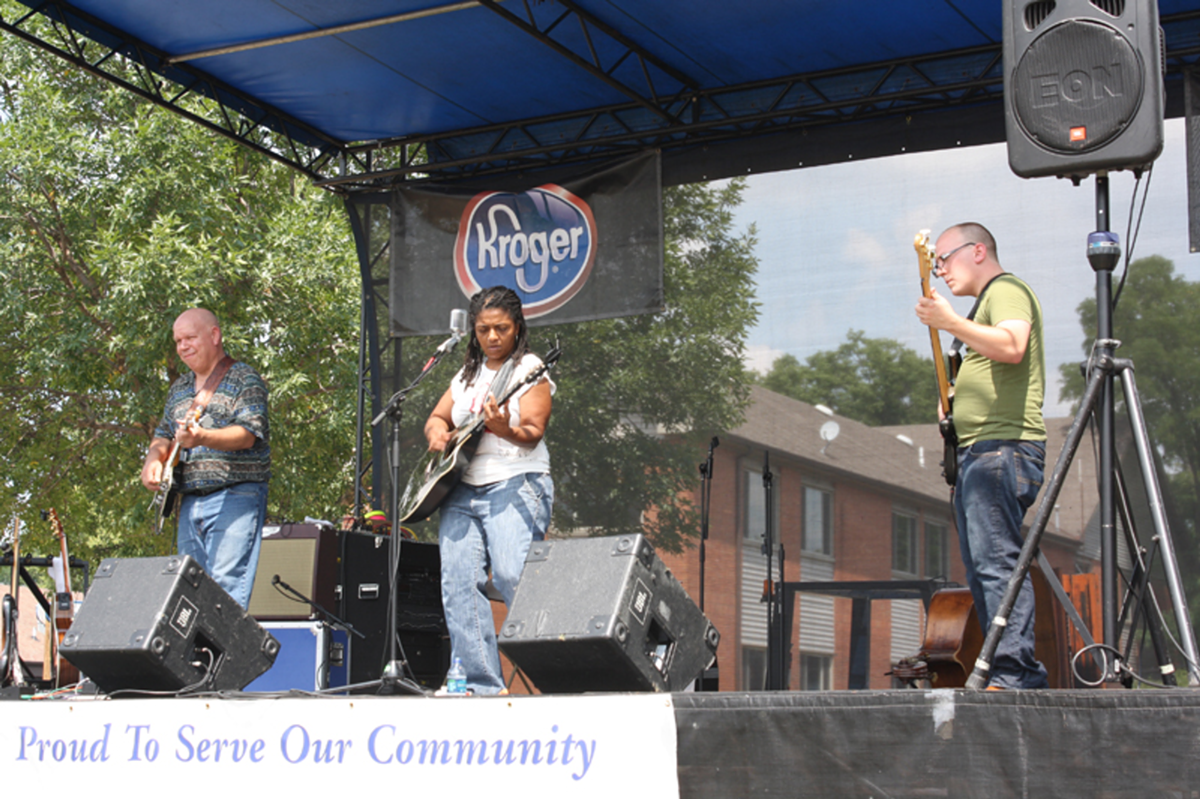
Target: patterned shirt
<point>241,399</point>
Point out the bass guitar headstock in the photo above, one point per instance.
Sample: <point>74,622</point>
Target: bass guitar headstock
<point>926,256</point>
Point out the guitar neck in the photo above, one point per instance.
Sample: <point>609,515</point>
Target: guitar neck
<point>939,363</point>
<point>926,259</point>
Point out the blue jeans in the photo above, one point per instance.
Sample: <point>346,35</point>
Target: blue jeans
<point>487,527</point>
<point>997,482</point>
<point>222,531</point>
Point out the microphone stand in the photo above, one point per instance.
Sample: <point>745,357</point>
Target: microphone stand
<point>327,619</point>
<point>706,469</point>
<point>710,679</point>
<point>392,676</point>
<point>774,676</point>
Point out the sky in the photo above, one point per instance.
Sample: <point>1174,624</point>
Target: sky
<point>835,244</point>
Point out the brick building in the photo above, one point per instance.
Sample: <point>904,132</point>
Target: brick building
<point>848,503</point>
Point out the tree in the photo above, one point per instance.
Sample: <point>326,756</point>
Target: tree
<point>876,381</point>
<point>114,217</point>
<point>1157,320</point>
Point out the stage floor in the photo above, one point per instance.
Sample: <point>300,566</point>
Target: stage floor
<point>914,743</point>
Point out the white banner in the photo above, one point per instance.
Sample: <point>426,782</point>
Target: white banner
<point>499,746</point>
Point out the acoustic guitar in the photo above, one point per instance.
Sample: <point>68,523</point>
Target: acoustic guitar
<point>438,472</point>
<point>64,605</point>
<point>944,368</point>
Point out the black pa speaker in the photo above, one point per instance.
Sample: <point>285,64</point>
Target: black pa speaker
<point>605,614</point>
<point>162,624</point>
<point>1083,86</point>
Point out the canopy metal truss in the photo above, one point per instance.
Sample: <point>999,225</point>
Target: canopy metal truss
<point>669,110</point>
<point>109,53</point>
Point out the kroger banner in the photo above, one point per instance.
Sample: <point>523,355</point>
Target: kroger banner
<point>584,246</point>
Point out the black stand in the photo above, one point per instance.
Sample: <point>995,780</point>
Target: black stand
<point>392,678</point>
<point>706,470</point>
<point>710,679</point>
<point>1103,254</point>
<point>327,618</point>
<point>776,651</point>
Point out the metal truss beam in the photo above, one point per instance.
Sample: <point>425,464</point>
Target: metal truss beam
<point>668,112</point>
<point>591,30</point>
<point>901,87</point>
<point>109,53</point>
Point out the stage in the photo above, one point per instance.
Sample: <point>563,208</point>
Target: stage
<point>904,743</point>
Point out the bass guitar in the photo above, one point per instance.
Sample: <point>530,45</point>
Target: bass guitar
<point>438,472</point>
<point>167,495</point>
<point>944,368</point>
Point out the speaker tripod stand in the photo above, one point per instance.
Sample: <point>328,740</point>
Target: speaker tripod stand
<point>1097,404</point>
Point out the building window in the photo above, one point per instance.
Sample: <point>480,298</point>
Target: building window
<point>754,669</point>
<point>818,521</point>
<point>937,550</point>
<point>904,544</point>
<point>756,505</point>
<point>815,671</point>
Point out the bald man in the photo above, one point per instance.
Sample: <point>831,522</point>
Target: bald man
<point>226,457</point>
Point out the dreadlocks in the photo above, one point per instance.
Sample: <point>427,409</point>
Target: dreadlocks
<point>506,300</point>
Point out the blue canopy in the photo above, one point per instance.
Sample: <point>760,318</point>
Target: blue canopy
<point>387,88</point>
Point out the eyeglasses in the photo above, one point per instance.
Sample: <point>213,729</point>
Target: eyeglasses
<point>940,260</point>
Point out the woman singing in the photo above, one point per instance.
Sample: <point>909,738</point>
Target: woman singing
<point>502,504</point>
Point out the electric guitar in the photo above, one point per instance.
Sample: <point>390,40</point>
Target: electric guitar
<point>438,472</point>
<point>167,495</point>
<point>945,372</point>
<point>64,605</point>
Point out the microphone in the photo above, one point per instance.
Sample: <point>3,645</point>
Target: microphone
<point>458,329</point>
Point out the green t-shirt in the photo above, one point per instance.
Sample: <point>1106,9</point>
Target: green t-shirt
<point>996,401</point>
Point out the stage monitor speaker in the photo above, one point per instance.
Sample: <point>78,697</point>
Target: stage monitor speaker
<point>1083,86</point>
<point>305,556</point>
<point>605,614</point>
<point>162,624</point>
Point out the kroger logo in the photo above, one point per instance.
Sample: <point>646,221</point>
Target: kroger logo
<point>540,243</point>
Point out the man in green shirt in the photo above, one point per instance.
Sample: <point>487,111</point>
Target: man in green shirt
<point>1001,434</point>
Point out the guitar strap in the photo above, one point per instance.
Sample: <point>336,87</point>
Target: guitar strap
<point>210,386</point>
<point>957,345</point>
<point>503,378</point>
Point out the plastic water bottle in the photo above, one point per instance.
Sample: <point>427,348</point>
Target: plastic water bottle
<point>456,679</point>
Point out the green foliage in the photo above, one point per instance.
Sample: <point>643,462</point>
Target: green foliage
<point>876,381</point>
<point>114,217</point>
<point>1157,320</point>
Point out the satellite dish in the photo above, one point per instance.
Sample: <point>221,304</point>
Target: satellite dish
<point>829,431</point>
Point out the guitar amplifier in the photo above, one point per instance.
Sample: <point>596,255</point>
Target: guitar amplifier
<point>305,556</point>
<point>420,622</point>
<point>605,614</point>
